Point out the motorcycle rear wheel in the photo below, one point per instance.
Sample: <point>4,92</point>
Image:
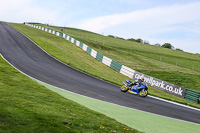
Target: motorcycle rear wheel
<point>143,93</point>
<point>124,88</point>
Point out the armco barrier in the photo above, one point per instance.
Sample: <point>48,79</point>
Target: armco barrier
<point>127,71</point>
<point>192,95</point>
<point>107,61</point>
<point>74,42</point>
<point>182,92</point>
<point>84,47</point>
<point>99,57</point>
<point>81,45</point>
<point>77,43</point>
<point>93,53</point>
<point>116,66</point>
<point>89,50</point>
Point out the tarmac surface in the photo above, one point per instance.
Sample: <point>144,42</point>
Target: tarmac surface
<point>29,58</point>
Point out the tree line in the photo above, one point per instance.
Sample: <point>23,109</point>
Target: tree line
<point>139,40</point>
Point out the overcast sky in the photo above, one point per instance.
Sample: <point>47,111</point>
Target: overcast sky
<point>157,21</point>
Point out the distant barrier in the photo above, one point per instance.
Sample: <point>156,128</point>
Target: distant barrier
<point>176,90</point>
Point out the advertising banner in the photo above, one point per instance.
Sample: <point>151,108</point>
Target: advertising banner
<point>161,85</point>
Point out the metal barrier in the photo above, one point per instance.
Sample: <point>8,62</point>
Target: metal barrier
<point>192,95</point>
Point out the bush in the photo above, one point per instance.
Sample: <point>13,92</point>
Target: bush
<point>139,40</point>
<point>111,36</point>
<point>131,39</point>
<point>179,49</point>
<point>167,45</point>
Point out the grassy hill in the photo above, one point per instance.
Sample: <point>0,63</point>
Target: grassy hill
<point>72,55</point>
<point>177,67</point>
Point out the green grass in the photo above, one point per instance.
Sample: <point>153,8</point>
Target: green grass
<point>152,60</point>
<point>72,55</point>
<point>122,114</point>
<point>26,106</point>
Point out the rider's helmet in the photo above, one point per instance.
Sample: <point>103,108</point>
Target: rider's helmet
<point>142,79</point>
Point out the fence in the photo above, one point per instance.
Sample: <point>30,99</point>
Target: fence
<point>179,91</point>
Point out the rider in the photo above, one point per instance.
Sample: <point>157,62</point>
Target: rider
<point>138,83</point>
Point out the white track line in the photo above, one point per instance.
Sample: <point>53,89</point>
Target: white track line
<point>174,103</point>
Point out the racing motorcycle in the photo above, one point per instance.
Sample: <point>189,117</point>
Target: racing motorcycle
<point>137,89</point>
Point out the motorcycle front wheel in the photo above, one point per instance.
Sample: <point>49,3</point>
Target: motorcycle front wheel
<point>124,88</point>
<point>143,93</point>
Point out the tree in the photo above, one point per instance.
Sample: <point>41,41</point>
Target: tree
<point>131,39</point>
<point>139,40</point>
<point>167,45</point>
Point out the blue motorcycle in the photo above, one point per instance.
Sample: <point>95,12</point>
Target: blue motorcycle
<point>137,89</point>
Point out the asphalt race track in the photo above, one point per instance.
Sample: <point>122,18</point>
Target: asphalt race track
<point>30,59</point>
